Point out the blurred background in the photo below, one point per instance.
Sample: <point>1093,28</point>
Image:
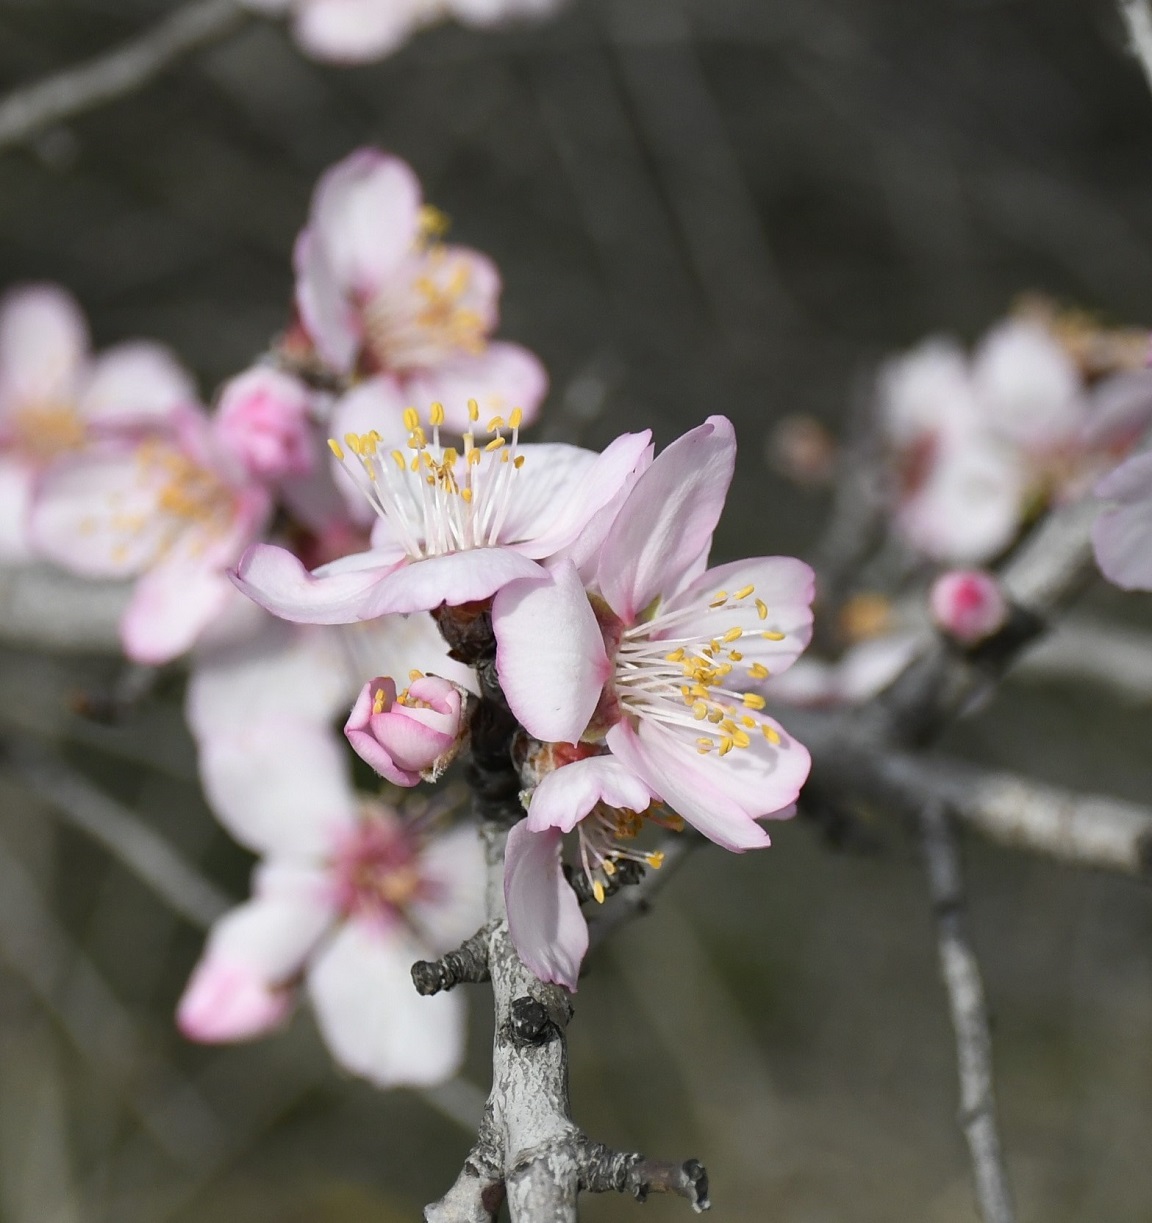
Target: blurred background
<point>697,206</point>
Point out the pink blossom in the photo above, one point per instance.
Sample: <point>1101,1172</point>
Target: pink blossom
<point>379,293</point>
<point>980,443</point>
<point>968,604</point>
<point>355,31</point>
<point>454,525</point>
<point>55,396</point>
<point>262,420</point>
<point>349,894</point>
<point>407,736</point>
<point>169,508</point>
<point>651,668</point>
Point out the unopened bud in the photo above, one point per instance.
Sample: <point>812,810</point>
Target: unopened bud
<point>968,604</point>
<point>262,422</point>
<point>407,736</point>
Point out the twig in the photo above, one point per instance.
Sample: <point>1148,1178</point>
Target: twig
<point>1109,655</point>
<point>28,110</point>
<point>961,974</point>
<point>1137,15</point>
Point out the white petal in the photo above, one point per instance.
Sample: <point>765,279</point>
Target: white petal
<point>43,347</point>
<point>453,864</point>
<point>136,383</point>
<point>374,1021</point>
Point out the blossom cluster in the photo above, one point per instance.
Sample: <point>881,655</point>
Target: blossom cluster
<point>300,542</point>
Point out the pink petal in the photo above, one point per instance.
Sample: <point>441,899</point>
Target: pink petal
<point>1123,542</point>
<point>567,794</point>
<point>327,313</point>
<point>279,786</point>
<point>784,585</point>
<point>376,403</point>
<point>668,518</point>
<point>137,383</point>
<point>366,209</point>
<point>43,347</point>
<point>275,579</point>
<point>501,378</point>
<point>550,654</point>
<point>722,797</point>
<point>226,1002</point>
<point>564,488</point>
<point>544,918</point>
<point>1129,483</point>
<point>170,607</point>
<point>373,1020</point>
<point>356,31</point>
<point>459,577</point>
<point>927,391</point>
<point>1120,409</point>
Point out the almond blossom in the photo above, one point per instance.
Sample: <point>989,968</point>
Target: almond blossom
<point>979,444</point>
<point>349,893</point>
<point>355,31</point>
<point>379,294</point>
<point>968,604</point>
<point>1122,535</point>
<point>455,524</point>
<point>55,396</point>
<point>655,673</point>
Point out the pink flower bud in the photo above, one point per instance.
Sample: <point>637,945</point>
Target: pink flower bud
<point>262,421</point>
<point>407,736</point>
<point>968,604</point>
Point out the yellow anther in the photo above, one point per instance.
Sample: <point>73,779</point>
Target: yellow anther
<point>732,634</point>
<point>726,745</point>
<point>415,675</point>
<point>744,592</point>
<point>725,668</point>
<point>770,734</point>
<point>495,444</point>
<point>433,222</point>
<point>415,464</point>
<point>506,455</point>
<point>378,701</point>
<point>728,726</point>
<point>768,635</point>
<point>352,441</point>
<point>474,457</point>
<point>609,868</point>
<point>599,892</point>
<point>336,448</point>
<point>516,418</point>
<point>411,420</point>
<point>749,722</point>
<point>699,711</point>
<point>701,750</point>
<point>436,414</point>
<point>518,462</point>
<point>398,459</point>
<point>497,422</point>
<point>758,671</point>
<point>716,717</point>
<point>753,700</point>
<point>762,609</point>
<point>705,743</point>
<point>655,859</point>
<point>449,459</point>
<point>473,410</point>
<point>735,655</point>
<point>675,656</point>
<point>714,647</point>
<point>719,599</point>
<point>466,493</point>
<point>700,691</point>
<point>740,738</point>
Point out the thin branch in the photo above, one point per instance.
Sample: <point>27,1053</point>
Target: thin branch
<point>1137,15</point>
<point>139,848</point>
<point>1082,649</point>
<point>961,974</point>
<point>28,110</point>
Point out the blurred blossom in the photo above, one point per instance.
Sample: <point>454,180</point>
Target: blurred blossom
<point>644,678</point>
<point>262,420</point>
<point>355,31</point>
<point>981,444</point>
<point>1122,535</point>
<point>56,397</point>
<point>454,525</point>
<point>968,604</point>
<point>408,735</point>
<point>349,893</point>
<point>380,295</point>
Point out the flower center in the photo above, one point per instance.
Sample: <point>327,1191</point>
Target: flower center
<point>45,431</point>
<point>607,848</point>
<point>377,869</point>
<point>428,319</point>
<point>676,680</point>
<point>437,499</point>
